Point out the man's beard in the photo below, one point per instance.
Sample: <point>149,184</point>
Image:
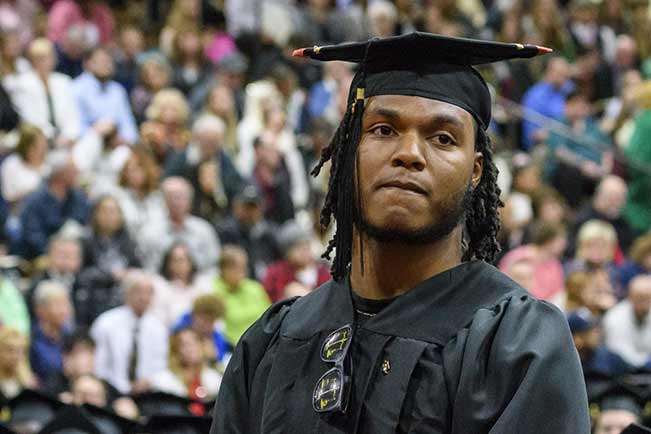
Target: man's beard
<point>451,217</point>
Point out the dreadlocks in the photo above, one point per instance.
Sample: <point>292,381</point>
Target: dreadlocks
<point>481,219</point>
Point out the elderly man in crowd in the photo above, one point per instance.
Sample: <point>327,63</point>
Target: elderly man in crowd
<point>607,203</point>
<point>54,204</point>
<point>131,344</point>
<point>208,132</point>
<point>627,326</point>
<point>52,326</point>
<point>179,226</point>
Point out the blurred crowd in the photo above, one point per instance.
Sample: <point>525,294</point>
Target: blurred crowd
<point>155,195</point>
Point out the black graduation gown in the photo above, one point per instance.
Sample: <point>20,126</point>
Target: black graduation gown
<point>469,350</point>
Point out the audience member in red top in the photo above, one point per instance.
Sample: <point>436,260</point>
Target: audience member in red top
<point>300,263</point>
<point>93,17</point>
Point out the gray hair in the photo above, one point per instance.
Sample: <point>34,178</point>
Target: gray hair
<point>48,289</point>
<point>209,123</point>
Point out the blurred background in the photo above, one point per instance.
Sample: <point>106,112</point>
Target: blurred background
<point>155,195</point>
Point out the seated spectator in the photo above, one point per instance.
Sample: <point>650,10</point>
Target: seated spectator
<point>23,171</point>
<point>627,326</point>
<point>52,325</point>
<point>617,412</point>
<point>598,294</point>
<point>42,96</point>
<point>140,200</point>
<point>179,225</point>
<point>108,253</point>
<point>220,102</point>
<point>578,162</point>
<point>206,310</point>
<point>12,63</point>
<point>93,17</point>
<point>131,46</point>
<point>183,14</point>
<point>245,299</point>
<point>595,357</point>
<point>166,131</point>
<point>189,63</point>
<point>51,206</point>
<point>154,74</point>
<point>15,374</point>
<point>131,342</point>
<point>13,309</point>
<point>88,389</point>
<point>300,263</point>
<point>187,374</point>
<point>247,228</point>
<point>180,285</point>
<point>546,97</point>
<point>606,205</point>
<point>595,248</point>
<point>62,265</point>
<point>214,188</point>
<point>100,156</point>
<point>101,99</point>
<point>548,284</point>
<point>639,262</point>
<point>78,360</point>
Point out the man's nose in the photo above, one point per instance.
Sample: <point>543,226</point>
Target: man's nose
<point>409,153</point>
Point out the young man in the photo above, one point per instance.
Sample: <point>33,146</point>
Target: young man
<point>416,333</point>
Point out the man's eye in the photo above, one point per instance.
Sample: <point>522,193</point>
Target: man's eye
<point>444,139</point>
<point>382,130</point>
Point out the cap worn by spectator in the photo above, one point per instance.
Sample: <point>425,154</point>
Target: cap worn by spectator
<point>291,233</point>
<point>581,320</point>
<point>249,194</point>
<point>108,422</point>
<point>71,420</point>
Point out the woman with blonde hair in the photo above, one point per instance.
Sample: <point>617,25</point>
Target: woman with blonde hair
<point>15,373</point>
<point>187,374</point>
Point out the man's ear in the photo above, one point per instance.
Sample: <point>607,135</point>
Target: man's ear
<point>477,169</point>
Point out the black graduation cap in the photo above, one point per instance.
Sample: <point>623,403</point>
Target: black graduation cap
<point>618,395</point>
<point>71,420</point>
<point>424,64</point>
<point>635,428</point>
<point>4,429</point>
<point>108,422</point>
<point>29,411</point>
<point>165,424</point>
<point>157,403</point>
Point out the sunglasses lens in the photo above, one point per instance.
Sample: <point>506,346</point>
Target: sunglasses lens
<point>327,393</point>
<point>335,345</point>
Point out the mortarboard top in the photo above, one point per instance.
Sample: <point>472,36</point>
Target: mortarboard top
<point>4,429</point>
<point>109,422</point>
<point>618,396</point>
<point>29,411</point>
<point>424,64</point>
<point>70,420</point>
<point>635,428</point>
<point>165,424</point>
<point>157,403</point>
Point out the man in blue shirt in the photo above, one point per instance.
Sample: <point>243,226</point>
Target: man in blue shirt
<point>51,206</point>
<point>102,99</point>
<point>547,97</point>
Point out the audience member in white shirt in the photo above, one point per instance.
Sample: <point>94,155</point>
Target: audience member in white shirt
<point>23,171</point>
<point>627,326</point>
<point>44,97</point>
<point>179,226</point>
<point>131,344</point>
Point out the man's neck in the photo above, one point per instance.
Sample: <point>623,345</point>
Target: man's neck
<point>391,269</point>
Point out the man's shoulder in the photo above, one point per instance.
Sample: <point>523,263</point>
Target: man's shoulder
<point>109,318</point>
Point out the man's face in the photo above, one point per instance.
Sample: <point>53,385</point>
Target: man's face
<point>417,165</point>
<point>139,296</point>
<point>101,65</point>
<point>65,257</point>
<point>614,421</point>
<point>209,142</point>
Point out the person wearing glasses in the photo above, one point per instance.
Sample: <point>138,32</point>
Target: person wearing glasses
<point>416,333</point>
